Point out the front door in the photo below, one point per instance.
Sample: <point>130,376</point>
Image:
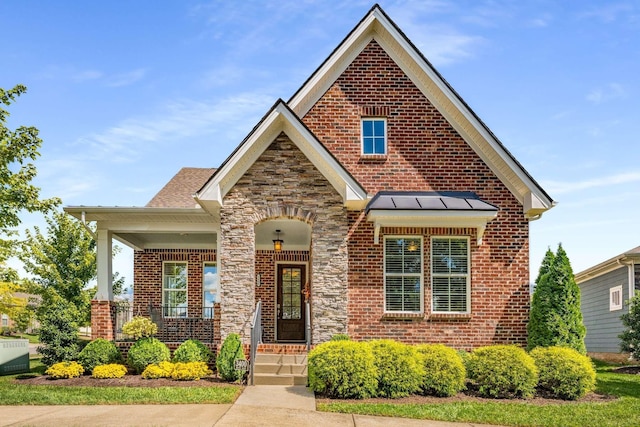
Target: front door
<point>291,314</point>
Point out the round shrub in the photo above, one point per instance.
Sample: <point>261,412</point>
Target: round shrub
<point>140,327</point>
<point>158,370</point>
<point>99,352</point>
<point>444,369</point>
<point>113,370</point>
<point>564,373</point>
<point>225,362</point>
<point>192,351</point>
<point>399,369</point>
<point>190,371</point>
<point>343,369</point>
<point>65,370</point>
<point>502,371</point>
<point>146,351</point>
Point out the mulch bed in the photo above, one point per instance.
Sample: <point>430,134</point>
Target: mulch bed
<point>633,370</point>
<point>126,381</point>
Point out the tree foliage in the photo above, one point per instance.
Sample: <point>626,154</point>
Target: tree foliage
<point>58,332</point>
<point>630,337</point>
<point>556,319</point>
<point>18,148</point>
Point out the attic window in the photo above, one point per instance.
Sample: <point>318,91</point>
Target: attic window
<point>374,136</point>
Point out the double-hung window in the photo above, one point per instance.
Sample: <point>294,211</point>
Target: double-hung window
<point>374,135</point>
<point>174,289</point>
<point>450,275</point>
<point>209,289</point>
<point>403,291</point>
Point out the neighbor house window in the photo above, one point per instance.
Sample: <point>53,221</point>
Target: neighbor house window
<point>450,277</point>
<point>403,274</point>
<point>174,289</point>
<point>209,289</point>
<point>374,136</point>
<point>615,298</point>
<point>5,320</point>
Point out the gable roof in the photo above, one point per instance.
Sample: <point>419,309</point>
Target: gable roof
<point>632,256</point>
<point>178,192</point>
<point>280,118</point>
<point>376,25</point>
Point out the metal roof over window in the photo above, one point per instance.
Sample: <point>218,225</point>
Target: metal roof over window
<point>429,200</point>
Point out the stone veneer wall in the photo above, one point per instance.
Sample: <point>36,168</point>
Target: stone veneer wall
<point>283,183</point>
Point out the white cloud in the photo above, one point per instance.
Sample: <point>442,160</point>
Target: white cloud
<point>85,75</point>
<point>560,187</point>
<point>606,93</point>
<point>126,79</point>
<point>609,13</point>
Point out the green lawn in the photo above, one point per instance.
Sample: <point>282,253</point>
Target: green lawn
<point>624,411</point>
<point>19,394</point>
<point>33,339</point>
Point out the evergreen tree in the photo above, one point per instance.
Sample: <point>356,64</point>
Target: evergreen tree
<point>630,338</point>
<point>556,319</point>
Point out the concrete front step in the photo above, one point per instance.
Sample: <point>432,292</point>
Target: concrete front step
<point>280,369</point>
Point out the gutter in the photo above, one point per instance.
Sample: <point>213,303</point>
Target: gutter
<point>86,226</point>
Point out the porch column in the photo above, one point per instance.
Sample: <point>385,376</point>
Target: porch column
<point>102,305</point>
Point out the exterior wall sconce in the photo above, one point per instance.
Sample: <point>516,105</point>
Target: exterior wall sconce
<point>277,243</point>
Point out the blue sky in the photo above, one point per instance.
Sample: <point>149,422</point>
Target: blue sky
<point>126,93</point>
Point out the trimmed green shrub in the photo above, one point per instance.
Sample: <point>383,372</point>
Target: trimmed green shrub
<point>343,369</point>
<point>192,351</point>
<point>146,351</point>
<point>563,372</point>
<point>190,371</point>
<point>398,366</point>
<point>502,371</point>
<point>225,362</point>
<point>630,337</point>
<point>99,352</point>
<point>444,369</point>
<point>58,333</point>
<point>140,327</point>
<point>112,370</point>
<point>65,370</point>
<point>158,370</point>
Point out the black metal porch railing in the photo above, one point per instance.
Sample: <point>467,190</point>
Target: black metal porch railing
<point>256,337</point>
<point>175,323</point>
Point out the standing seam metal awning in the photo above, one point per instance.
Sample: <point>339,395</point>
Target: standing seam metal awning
<point>430,209</point>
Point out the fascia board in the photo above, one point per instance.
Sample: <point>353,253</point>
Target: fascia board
<point>606,267</point>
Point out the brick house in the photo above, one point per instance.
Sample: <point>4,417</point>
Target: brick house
<point>375,194</point>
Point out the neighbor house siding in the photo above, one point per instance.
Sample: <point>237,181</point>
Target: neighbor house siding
<point>424,153</point>
<point>603,326</point>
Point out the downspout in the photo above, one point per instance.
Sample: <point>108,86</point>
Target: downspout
<point>86,226</point>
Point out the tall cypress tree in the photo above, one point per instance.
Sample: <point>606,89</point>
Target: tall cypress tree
<point>555,317</point>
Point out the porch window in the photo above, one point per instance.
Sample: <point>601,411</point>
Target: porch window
<point>174,289</point>
<point>374,135</point>
<point>403,290</point>
<point>450,275</point>
<point>209,289</point>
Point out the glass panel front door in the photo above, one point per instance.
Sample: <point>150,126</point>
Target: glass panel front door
<point>291,316</point>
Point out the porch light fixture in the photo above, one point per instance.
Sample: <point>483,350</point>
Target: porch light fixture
<point>277,243</point>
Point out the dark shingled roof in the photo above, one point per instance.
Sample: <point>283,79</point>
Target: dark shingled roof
<point>178,192</point>
<point>428,201</point>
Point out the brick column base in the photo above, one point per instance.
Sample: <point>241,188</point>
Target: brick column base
<point>103,320</point>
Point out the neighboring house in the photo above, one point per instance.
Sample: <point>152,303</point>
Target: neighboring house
<point>374,194</point>
<point>8,325</point>
<point>604,290</point>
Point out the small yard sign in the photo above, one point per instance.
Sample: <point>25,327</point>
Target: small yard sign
<point>14,356</point>
<point>241,365</point>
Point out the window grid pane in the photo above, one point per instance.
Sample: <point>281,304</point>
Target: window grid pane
<point>209,289</point>
<point>403,274</point>
<point>450,275</point>
<point>373,136</point>
<point>174,292</point>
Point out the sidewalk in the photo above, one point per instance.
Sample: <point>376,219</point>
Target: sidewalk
<point>257,406</point>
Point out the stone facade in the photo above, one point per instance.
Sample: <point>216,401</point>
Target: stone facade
<point>283,183</point>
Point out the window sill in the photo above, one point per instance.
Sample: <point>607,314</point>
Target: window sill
<point>373,158</point>
<point>400,316</point>
<point>445,317</point>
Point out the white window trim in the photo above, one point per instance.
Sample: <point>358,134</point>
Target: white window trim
<point>421,275</point>
<point>186,264</point>
<point>468,275</point>
<point>386,135</point>
<point>615,305</point>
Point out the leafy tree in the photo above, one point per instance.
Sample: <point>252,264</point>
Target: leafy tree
<point>58,332</point>
<point>17,148</point>
<point>630,338</point>
<point>9,303</point>
<point>556,319</point>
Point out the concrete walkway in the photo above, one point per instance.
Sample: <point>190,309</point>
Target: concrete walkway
<point>257,406</point>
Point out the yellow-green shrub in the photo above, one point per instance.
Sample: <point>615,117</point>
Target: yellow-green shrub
<point>190,371</point>
<point>343,369</point>
<point>147,351</point>
<point>502,371</point>
<point>158,370</point>
<point>65,370</point>
<point>112,370</point>
<point>399,368</point>
<point>140,327</point>
<point>564,372</point>
<point>445,373</point>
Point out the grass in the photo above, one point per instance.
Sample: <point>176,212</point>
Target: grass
<point>33,338</point>
<point>21,394</point>
<point>621,412</point>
